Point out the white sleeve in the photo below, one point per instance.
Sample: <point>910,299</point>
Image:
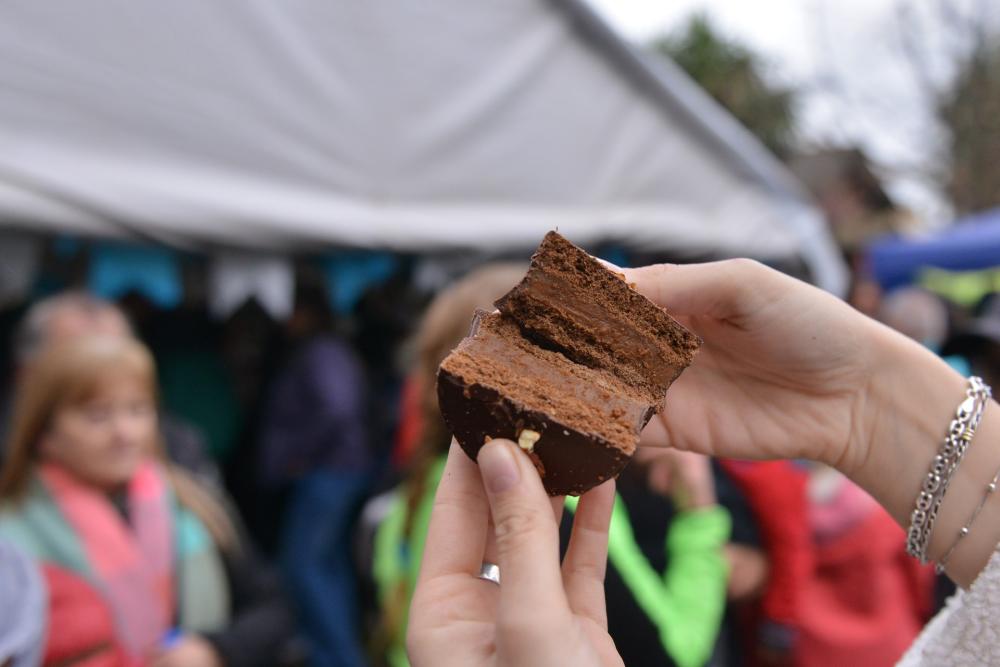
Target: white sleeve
<point>967,631</point>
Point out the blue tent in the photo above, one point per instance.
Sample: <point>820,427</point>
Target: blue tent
<point>972,243</point>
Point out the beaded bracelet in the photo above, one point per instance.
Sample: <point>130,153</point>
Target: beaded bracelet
<point>991,488</point>
<point>960,433</point>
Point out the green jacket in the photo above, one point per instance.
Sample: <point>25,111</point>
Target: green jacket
<point>687,602</point>
<point>396,559</point>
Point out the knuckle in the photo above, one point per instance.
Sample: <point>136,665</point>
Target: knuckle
<point>457,498</point>
<point>745,278</point>
<point>663,268</point>
<point>743,267</point>
<point>590,569</point>
<point>516,526</point>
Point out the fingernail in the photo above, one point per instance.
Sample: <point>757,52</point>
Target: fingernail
<point>498,467</point>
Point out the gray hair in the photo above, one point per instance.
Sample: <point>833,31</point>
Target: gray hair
<point>32,331</point>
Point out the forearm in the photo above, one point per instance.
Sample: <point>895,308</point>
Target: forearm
<point>909,404</point>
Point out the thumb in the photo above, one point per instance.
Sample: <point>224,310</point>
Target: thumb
<point>527,536</point>
<point>723,290</point>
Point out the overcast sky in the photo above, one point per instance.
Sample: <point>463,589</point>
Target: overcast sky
<point>849,56</point>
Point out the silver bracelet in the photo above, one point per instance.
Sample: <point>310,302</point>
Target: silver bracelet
<point>990,489</point>
<point>960,433</point>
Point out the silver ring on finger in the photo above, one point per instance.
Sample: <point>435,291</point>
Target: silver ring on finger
<point>489,572</point>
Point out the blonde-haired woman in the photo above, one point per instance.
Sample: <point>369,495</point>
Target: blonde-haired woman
<point>399,538</point>
<point>84,488</point>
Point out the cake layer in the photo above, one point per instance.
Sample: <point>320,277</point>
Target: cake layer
<point>570,302</point>
<point>497,385</point>
<point>497,357</point>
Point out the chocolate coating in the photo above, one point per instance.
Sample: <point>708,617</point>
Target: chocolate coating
<point>568,461</point>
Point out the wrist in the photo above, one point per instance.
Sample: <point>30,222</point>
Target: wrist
<point>904,414</point>
<point>901,419</point>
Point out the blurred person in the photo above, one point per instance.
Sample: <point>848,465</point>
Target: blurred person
<point>922,316</point>
<point>70,315</point>
<point>80,623</point>
<point>866,600</point>
<point>314,439</point>
<point>979,341</point>
<point>84,488</point>
<point>251,348</point>
<point>51,616</point>
<point>673,563</point>
<point>22,608</point>
<point>65,316</point>
<point>916,313</point>
<point>384,318</point>
<point>57,317</point>
<point>776,493</point>
<point>400,528</point>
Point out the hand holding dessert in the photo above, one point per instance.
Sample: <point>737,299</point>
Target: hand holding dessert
<point>785,371</point>
<point>788,371</point>
<point>542,614</point>
<point>782,370</point>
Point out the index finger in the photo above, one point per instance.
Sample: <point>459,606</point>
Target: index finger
<point>654,434</point>
<point>456,537</point>
<point>527,536</point>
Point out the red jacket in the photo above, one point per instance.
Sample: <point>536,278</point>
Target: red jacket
<point>776,492</point>
<point>81,630</point>
<point>867,600</point>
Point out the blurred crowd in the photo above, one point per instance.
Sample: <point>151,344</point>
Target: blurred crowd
<point>182,491</point>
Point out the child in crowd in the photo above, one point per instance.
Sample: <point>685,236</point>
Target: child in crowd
<point>85,488</point>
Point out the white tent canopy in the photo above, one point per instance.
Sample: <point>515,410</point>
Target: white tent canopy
<point>405,125</point>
